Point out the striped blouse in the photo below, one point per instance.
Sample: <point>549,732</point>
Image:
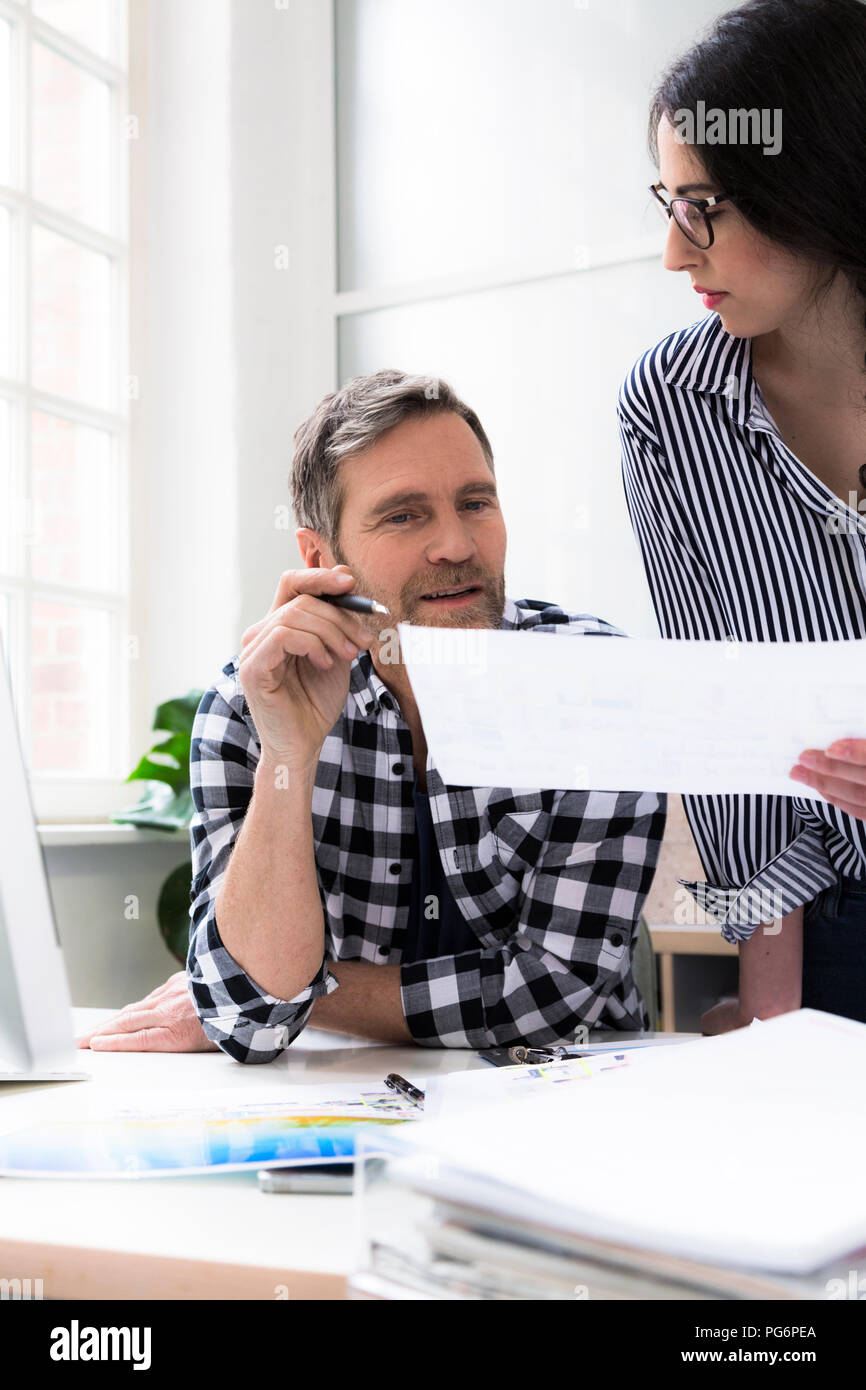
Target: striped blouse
<point>741,541</point>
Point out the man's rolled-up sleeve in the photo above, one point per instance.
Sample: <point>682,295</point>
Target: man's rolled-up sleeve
<point>247,1022</point>
<point>585,878</point>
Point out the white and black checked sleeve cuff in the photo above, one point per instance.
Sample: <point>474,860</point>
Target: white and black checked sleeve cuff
<point>795,876</point>
<point>244,1020</point>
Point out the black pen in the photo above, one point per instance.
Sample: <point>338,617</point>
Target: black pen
<point>397,1083</point>
<point>354,602</point>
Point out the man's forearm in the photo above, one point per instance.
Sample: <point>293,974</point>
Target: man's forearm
<point>368,1003</point>
<point>771,969</point>
<point>268,912</point>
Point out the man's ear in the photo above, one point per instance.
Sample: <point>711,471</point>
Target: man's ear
<point>315,553</point>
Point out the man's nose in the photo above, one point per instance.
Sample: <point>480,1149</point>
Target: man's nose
<point>451,541</point>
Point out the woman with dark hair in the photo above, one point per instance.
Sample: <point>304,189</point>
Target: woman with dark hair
<point>744,456</point>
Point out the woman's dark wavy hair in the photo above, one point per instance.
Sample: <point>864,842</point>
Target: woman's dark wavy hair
<point>806,58</point>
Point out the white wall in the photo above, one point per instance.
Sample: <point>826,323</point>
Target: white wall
<point>112,956</point>
<point>541,363</point>
<point>496,230</point>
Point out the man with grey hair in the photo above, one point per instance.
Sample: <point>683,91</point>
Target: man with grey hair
<point>337,879</point>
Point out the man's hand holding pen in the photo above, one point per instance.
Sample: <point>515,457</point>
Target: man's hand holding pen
<point>295,664</point>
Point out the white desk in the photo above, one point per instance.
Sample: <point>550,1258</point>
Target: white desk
<point>201,1237</point>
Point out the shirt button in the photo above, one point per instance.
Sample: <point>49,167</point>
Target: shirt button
<point>398,768</point>
<point>616,939</point>
<point>370,707</point>
<point>384,950</point>
<point>386,701</point>
<point>393,868</point>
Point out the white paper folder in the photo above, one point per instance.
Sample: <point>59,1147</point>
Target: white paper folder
<point>744,1150</point>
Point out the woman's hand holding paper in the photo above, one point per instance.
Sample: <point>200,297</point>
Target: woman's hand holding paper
<point>839,774</point>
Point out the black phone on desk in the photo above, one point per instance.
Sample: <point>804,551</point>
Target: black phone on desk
<point>497,1057</point>
<point>333,1178</point>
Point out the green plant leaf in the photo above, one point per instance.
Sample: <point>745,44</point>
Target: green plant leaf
<point>149,771</point>
<point>176,746</point>
<point>174,771</point>
<point>160,808</point>
<point>177,716</point>
<point>172,910</point>
<point>169,805</point>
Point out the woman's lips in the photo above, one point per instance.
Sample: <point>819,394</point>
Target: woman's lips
<point>710,297</point>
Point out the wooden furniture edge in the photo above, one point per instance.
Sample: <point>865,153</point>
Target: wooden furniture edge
<point>82,1272</point>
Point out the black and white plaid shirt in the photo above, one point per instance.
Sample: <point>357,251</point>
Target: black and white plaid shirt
<point>551,882</point>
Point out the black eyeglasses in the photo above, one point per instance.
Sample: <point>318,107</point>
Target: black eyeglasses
<point>689,214</point>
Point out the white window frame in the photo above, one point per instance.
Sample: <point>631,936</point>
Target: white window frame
<point>68,796</point>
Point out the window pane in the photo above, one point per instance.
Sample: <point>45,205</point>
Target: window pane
<point>4,634</point>
<point>5,292</point>
<point>71,138</point>
<point>5,103</point>
<point>73,504</point>
<point>88,21</point>
<point>7,498</point>
<point>71,659</point>
<point>10,617</point>
<point>71,329</point>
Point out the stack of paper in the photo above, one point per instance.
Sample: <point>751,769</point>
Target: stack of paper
<point>736,1159</point>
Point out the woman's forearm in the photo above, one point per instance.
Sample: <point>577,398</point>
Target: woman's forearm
<point>771,968</point>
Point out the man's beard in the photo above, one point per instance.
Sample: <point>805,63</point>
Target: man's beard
<point>485,611</point>
<point>408,607</point>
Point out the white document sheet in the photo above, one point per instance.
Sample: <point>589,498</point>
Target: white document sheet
<point>461,1093</point>
<point>529,710</point>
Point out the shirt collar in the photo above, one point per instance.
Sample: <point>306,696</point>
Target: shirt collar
<point>367,688</point>
<point>706,358</point>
